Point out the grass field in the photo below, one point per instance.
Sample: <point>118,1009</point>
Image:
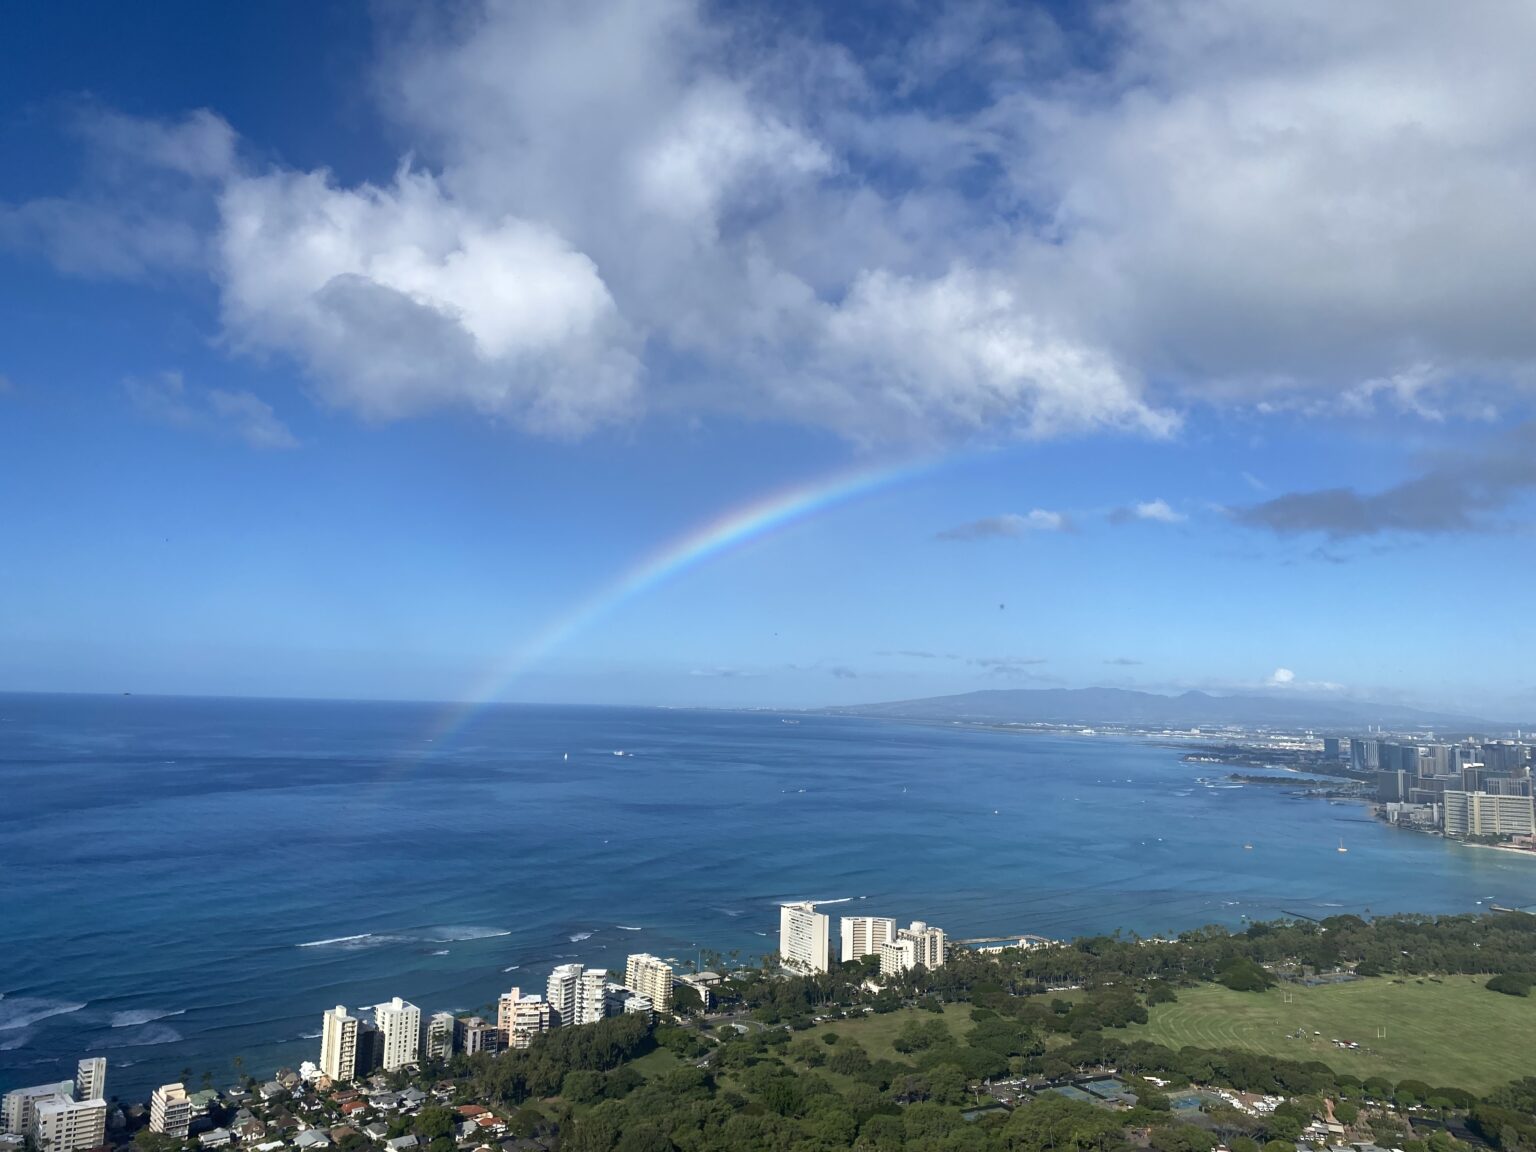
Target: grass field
<point>875,1033</point>
<point>1450,1032</point>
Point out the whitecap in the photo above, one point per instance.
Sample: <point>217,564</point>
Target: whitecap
<point>452,933</point>
<point>578,937</point>
<point>627,928</point>
<point>441,952</point>
<point>142,1016</point>
<point>336,941</point>
<point>17,1041</point>
<point>511,967</point>
<point>309,1035</point>
<point>19,1011</point>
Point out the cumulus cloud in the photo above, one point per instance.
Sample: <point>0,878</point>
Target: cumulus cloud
<point>399,300</point>
<point>614,206</point>
<point>166,398</point>
<point>1280,677</point>
<point>1008,524</point>
<point>1460,494</point>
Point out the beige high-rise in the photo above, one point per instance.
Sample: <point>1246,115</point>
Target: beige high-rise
<point>170,1110</point>
<point>651,977</point>
<point>338,1044</point>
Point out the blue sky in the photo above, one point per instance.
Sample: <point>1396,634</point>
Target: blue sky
<point>346,351</point>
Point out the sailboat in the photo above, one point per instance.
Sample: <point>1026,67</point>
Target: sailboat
<point>1341,845</point>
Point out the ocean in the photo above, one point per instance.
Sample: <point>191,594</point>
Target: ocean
<point>187,881</point>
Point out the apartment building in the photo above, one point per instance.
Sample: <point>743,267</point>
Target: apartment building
<point>170,1110</point>
<point>399,1025</point>
<point>650,977</point>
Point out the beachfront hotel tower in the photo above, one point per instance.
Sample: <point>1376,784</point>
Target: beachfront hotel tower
<point>864,935</point>
<point>804,937</point>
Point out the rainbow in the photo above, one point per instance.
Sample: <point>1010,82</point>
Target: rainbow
<point>716,537</point>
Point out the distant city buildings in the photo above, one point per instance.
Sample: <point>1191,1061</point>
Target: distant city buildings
<point>170,1110</point>
<point>650,977</point>
<point>1463,790</point>
<point>804,937</point>
<point>865,935</point>
<point>914,946</point>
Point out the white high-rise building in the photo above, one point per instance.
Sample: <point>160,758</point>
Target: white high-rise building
<point>65,1125</point>
<point>399,1024</point>
<point>18,1110</point>
<point>91,1078</point>
<point>338,1044</point>
<point>804,937</point>
<point>863,935</point>
<point>650,977</point>
<point>912,946</point>
<point>170,1110</point>
<point>563,993</point>
<point>592,996</point>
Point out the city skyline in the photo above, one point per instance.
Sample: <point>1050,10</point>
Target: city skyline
<point>858,357</point>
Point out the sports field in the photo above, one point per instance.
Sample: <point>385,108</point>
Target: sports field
<point>1448,1031</point>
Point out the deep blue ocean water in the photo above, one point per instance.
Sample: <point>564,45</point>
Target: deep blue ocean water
<point>184,880</point>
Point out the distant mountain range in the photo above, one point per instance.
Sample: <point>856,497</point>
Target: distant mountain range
<point>1148,709</point>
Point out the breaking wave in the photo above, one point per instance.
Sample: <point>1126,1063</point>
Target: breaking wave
<point>578,937</point>
<point>451,933</point>
<point>142,1016</point>
<point>19,1011</point>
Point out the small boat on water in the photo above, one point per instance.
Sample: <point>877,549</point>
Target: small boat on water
<point>1247,847</point>
<point>1341,845</point>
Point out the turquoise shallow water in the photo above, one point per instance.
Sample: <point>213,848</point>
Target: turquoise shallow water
<point>182,881</point>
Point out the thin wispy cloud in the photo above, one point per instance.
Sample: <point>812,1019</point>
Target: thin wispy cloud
<point>1459,495</point>
<point>167,399</point>
<point>1009,524</point>
<point>1010,667</point>
<point>1124,662</point>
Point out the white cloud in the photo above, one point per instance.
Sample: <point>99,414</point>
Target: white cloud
<point>1160,511</point>
<point>619,204</point>
<point>399,299</point>
<point>1281,677</point>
